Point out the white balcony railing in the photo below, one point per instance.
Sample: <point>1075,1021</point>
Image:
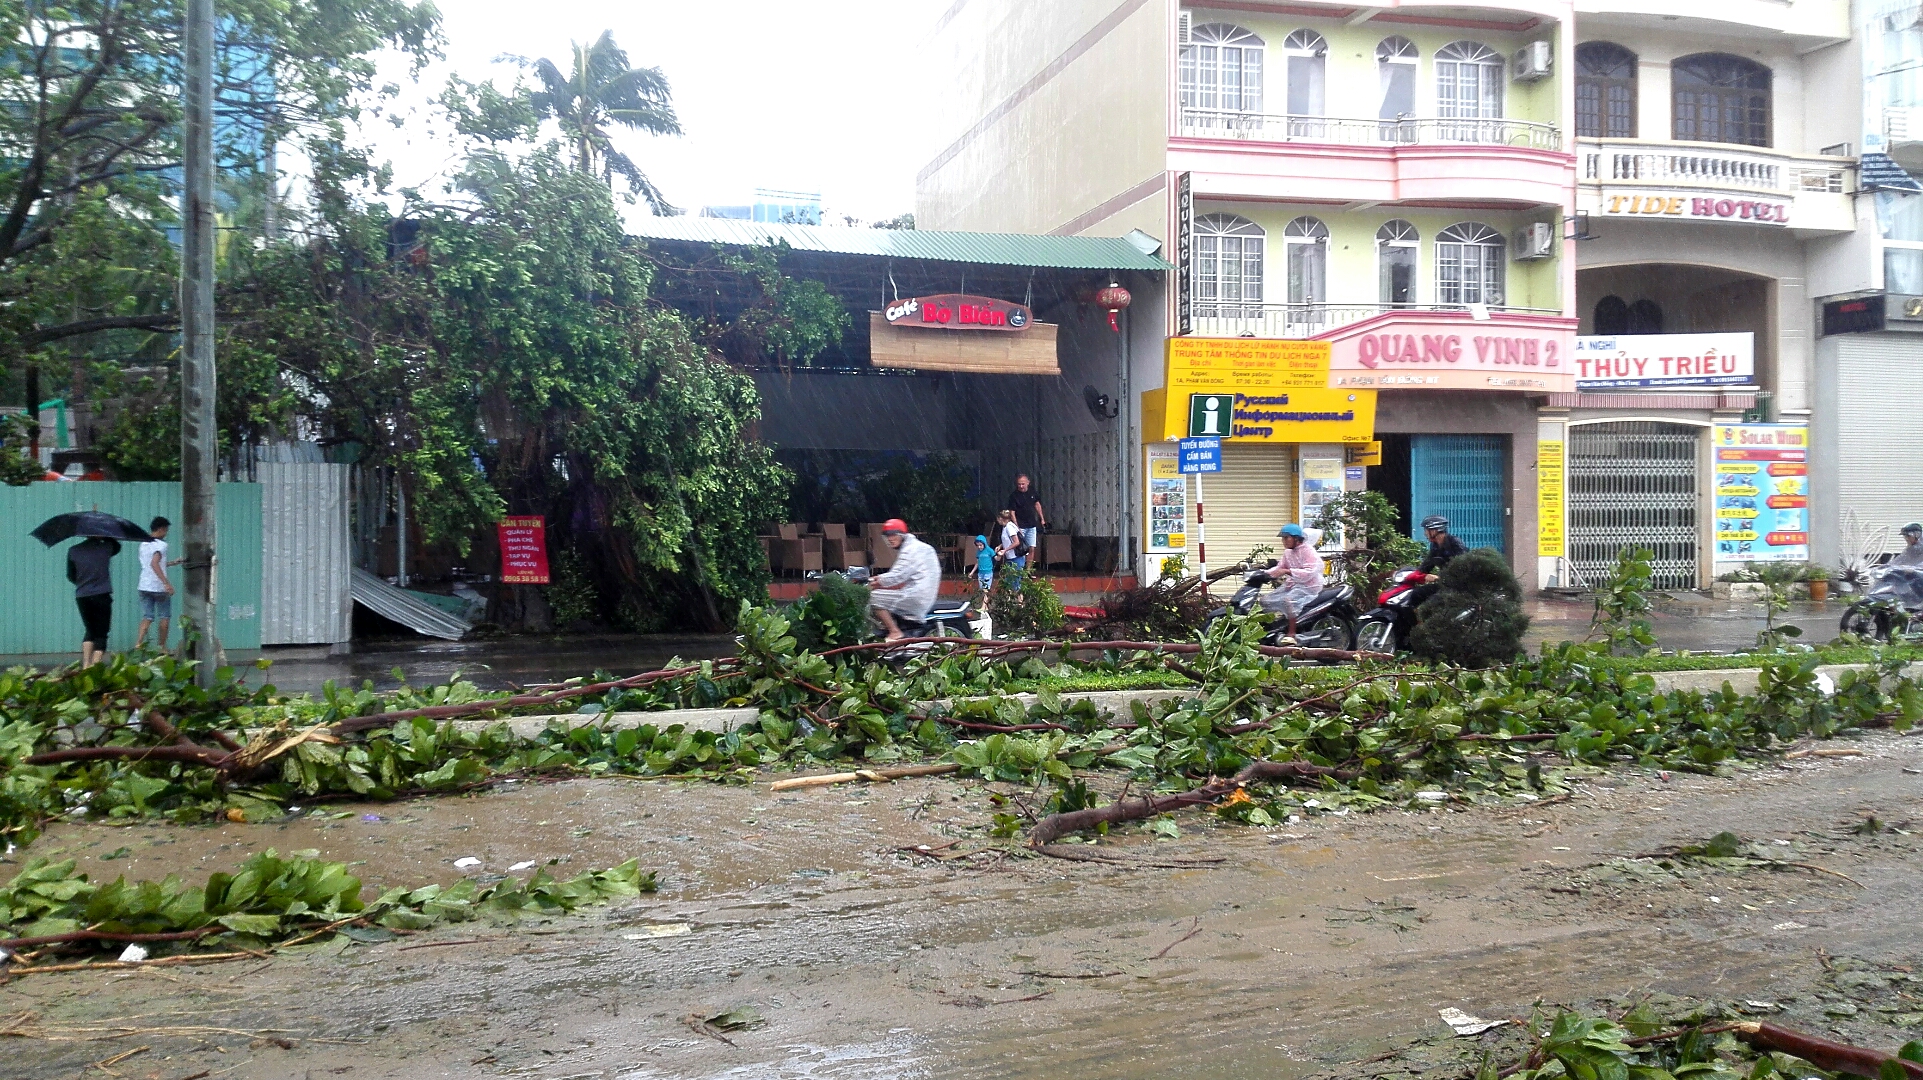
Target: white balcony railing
<point>1268,127</point>
<point>1709,166</point>
<point>1214,318</point>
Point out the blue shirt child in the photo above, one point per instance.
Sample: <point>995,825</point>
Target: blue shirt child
<point>984,561</point>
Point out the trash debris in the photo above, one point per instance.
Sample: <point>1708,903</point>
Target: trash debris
<point>659,930</point>
<point>527,865</point>
<point>1762,1006</point>
<point>372,819</point>
<point>1433,796</point>
<point>133,954</point>
<point>1789,926</point>
<point>1463,1024</point>
<point>466,863</point>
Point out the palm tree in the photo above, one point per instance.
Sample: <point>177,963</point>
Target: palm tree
<point>603,91</point>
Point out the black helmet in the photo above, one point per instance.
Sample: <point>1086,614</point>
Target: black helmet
<point>1434,521</point>
<point>1912,527</point>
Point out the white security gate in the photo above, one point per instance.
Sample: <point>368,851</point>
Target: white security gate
<point>1634,484</point>
<point>1879,470</point>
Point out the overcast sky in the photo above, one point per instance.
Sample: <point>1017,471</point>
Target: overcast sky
<point>813,96</point>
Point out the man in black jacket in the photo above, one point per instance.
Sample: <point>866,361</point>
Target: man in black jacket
<point>1442,548</point>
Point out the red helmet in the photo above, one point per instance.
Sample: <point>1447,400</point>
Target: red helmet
<point>894,525</point>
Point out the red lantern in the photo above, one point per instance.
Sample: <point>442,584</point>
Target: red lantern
<point>1115,299</point>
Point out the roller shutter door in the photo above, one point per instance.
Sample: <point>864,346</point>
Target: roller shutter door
<point>1634,484</point>
<point>1249,500</point>
<point>1879,397</point>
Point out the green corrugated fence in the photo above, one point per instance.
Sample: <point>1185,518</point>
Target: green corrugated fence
<point>37,613</point>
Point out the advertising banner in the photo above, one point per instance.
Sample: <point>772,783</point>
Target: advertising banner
<point>1762,492</point>
<point>1168,497</point>
<point>1665,360</point>
<point>524,550</point>
<point>1321,484</point>
<point>1261,390</point>
<point>1549,498</point>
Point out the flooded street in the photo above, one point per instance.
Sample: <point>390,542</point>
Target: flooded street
<point>1310,948</point>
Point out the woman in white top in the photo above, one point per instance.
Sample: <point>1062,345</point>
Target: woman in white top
<point>1010,546</point>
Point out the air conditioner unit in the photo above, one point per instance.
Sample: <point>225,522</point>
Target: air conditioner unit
<point>1534,61</point>
<point>1182,25</point>
<point>1536,240</point>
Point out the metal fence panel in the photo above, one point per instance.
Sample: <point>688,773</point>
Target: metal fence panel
<point>1634,484</point>
<point>37,614</point>
<point>305,567</point>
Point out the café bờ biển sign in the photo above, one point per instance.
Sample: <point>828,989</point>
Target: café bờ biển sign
<point>957,311</point>
<point>1632,360</point>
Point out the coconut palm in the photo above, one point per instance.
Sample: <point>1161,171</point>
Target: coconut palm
<point>600,93</point>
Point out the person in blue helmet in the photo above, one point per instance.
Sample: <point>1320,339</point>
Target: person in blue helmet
<point>1300,571</point>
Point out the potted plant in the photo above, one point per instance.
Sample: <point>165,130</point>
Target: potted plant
<point>1818,577</point>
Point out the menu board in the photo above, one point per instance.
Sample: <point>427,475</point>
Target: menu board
<point>1168,502</point>
<point>1762,492</point>
<point>1321,485</point>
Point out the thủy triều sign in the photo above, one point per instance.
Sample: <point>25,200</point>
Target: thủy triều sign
<point>1627,360</point>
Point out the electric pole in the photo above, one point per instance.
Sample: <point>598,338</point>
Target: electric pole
<point>197,431</point>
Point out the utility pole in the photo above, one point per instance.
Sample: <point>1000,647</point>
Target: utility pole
<point>197,464</point>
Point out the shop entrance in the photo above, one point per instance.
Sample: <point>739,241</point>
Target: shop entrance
<point>1634,484</point>
<point>1465,479</point>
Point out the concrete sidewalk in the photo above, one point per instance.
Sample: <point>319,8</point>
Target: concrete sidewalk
<point>1684,620</point>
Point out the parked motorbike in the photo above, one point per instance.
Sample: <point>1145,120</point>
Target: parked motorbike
<point>1386,629</point>
<point>1327,622</point>
<point>1893,606</point>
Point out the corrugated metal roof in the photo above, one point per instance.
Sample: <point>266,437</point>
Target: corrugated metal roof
<point>1002,249</point>
<point>304,596</point>
<point>403,607</point>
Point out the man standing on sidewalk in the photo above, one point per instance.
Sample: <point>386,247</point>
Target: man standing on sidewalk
<point>1030,518</point>
<point>156,591</point>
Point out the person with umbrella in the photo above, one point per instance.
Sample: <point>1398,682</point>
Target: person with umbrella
<point>90,568</point>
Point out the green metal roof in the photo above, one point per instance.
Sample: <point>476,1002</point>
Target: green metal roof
<point>1001,249</point>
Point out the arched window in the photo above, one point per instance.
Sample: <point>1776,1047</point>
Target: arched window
<point>1307,56</point>
<point>1228,266</point>
<point>1306,240</point>
<point>1605,91</point>
<point>1469,79</point>
<point>1645,317</point>
<point>1470,258</point>
<point>1611,318</point>
<point>1395,67</point>
<point>1221,71</point>
<point>1396,245</point>
<point>1720,98</point>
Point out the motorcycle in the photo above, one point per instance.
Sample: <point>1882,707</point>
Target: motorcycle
<point>1327,622</point>
<point>1386,629</point>
<point>1891,608</point>
<point>948,618</point>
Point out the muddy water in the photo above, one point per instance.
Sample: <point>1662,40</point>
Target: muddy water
<point>1319,943</point>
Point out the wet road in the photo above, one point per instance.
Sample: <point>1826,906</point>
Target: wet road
<point>1309,949</point>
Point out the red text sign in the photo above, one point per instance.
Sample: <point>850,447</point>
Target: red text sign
<point>524,550</point>
<point>957,311</point>
<point>1696,206</point>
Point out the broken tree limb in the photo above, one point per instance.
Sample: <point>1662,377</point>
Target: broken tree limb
<point>15,944</point>
<point>1822,1053</point>
<point>190,755</point>
<point>444,712</point>
<point>871,775</point>
<point>1056,826</point>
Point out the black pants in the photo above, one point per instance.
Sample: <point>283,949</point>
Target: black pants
<point>97,615</point>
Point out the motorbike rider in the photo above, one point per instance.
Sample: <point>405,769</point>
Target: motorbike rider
<point>1911,555</point>
<point>1443,547</point>
<point>909,588</point>
<point>1300,568</point>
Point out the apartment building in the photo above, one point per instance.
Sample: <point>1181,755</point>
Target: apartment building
<point>1579,255</point>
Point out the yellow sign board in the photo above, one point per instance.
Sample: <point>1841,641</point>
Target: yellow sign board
<point>1369,453</point>
<point>1269,390</point>
<point>1247,365</point>
<point>1549,498</point>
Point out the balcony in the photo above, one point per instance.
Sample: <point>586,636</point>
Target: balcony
<point>1714,183</point>
<point>1410,131</point>
<point>1439,161</point>
<point>1214,319</point>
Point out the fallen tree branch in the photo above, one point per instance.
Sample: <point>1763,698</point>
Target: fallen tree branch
<point>16,944</point>
<point>1056,826</point>
<point>871,775</point>
<point>1826,1055</point>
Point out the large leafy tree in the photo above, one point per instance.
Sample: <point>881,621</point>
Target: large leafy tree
<point>501,352</point>
<point>601,92</point>
<point>90,144</point>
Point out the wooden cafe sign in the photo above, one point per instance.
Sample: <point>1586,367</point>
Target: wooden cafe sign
<point>958,311</point>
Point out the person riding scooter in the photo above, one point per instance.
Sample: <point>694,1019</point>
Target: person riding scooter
<point>908,589</point>
<point>1443,548</point>
<point>1300,568</point>
<point>1912,553</point>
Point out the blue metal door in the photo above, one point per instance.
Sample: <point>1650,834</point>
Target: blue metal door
<point>1461,477</point>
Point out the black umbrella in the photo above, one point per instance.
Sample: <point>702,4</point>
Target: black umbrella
<point>87,523</point>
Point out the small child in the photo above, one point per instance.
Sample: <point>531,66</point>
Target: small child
<point>984,563</point>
